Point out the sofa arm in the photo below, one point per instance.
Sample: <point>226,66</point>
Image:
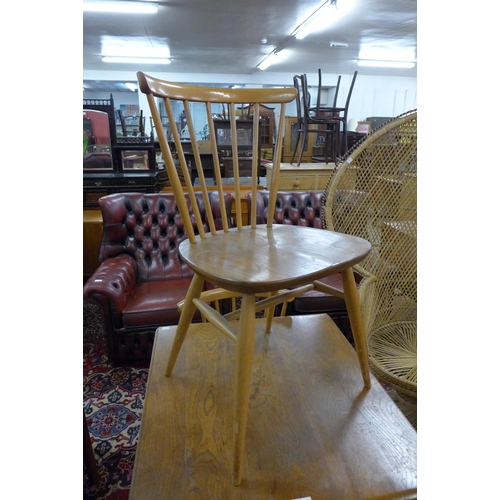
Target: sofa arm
<point>112,284</point>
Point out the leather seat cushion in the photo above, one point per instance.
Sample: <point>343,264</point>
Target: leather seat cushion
<point>155,303</point>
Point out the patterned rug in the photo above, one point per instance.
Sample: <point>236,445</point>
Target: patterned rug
<point>113,401</point>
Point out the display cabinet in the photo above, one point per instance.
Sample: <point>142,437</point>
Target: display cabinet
<point>266,121</point>
<point>113,164</point>
<point>244,131</point>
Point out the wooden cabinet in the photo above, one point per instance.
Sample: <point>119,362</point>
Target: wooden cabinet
<point>290,138</point>
<point>114,164</point>
<point>92,233</point>
<point>307,177</point>
<point>266,116</point>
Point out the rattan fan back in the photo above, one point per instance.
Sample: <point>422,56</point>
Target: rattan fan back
<point>373,194</point>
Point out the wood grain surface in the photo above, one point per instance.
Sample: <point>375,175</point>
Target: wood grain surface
<point>313,429</point>
<point>254,260</point>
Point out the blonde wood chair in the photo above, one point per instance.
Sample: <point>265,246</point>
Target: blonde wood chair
<point>246,261</point>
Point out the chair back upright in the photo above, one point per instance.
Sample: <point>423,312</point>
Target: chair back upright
<point>320,88</point>
<point>349,94</point>
<point>216,102</point>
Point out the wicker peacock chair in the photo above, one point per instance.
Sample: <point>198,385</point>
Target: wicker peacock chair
<point>372,193</point>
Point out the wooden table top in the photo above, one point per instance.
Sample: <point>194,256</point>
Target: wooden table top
<point>313,430</point>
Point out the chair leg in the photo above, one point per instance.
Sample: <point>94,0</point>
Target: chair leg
<point>337,149</point>
<point>344,137</point>
<point>357,325</point>
<point>269,319</point>
<point>188,310</point>
<point>244,355</point>
<point>302,146</point>
<point>296,146</point>
<point>327,145</point>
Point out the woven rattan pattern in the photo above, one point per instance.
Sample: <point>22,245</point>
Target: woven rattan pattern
<point>372,193</point>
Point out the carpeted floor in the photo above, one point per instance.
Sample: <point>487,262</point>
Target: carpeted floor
<point>113,401</point>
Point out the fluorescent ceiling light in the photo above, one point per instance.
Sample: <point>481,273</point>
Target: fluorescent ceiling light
<point>273,58</point>
<point>386,64</point>
<point>329,12</point>
<point>136,60</point>
<point>131,86</point>
<point>270,59</point>
<point>121,7</point>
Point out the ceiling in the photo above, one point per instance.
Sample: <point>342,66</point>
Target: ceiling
<point>227,37</point>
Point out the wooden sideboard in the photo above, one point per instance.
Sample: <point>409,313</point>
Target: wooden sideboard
<point>309,176</point>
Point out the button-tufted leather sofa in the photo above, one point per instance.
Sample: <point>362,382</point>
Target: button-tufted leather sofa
<point>141,278</point>
<point>304,209</point>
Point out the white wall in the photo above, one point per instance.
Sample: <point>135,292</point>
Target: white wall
<point>372,95</point>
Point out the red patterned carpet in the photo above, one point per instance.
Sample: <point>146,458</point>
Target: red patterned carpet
<point>113,400</point>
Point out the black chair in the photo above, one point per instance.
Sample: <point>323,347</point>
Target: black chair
<point>337,114</point>
<point>312,120</point>
<point>132,126</point>
<point>318,100</point>
<point>340,113</point>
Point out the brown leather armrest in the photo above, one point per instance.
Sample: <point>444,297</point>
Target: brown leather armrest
<point>113,282</point>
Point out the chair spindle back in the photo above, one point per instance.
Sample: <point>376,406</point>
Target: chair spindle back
<point>217,102</point>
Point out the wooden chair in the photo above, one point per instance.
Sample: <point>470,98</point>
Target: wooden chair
<point>335,96</point>
<point>340,114</point>
<point>132,126</point>
<point>313,121</point>
<point>373,195</point>
<point>250,260</point>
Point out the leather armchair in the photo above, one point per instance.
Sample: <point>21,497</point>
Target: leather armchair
<point>141,278</point>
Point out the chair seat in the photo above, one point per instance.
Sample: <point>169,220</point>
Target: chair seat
<point>259,259</point>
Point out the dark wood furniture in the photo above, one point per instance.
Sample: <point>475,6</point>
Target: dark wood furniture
<point>245,143</point>
<point>114,164</point>
<point>322,123</point>
<point>313,429</point>
<point>290,139</point>
<point>206,156</point>
<point>267,125</point>
<point>132,126</point>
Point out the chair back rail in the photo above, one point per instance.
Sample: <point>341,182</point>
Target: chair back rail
<point>169,93</point>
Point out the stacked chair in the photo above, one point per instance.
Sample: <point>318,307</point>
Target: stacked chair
<point>330,121</point>
<point>373,194</point>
